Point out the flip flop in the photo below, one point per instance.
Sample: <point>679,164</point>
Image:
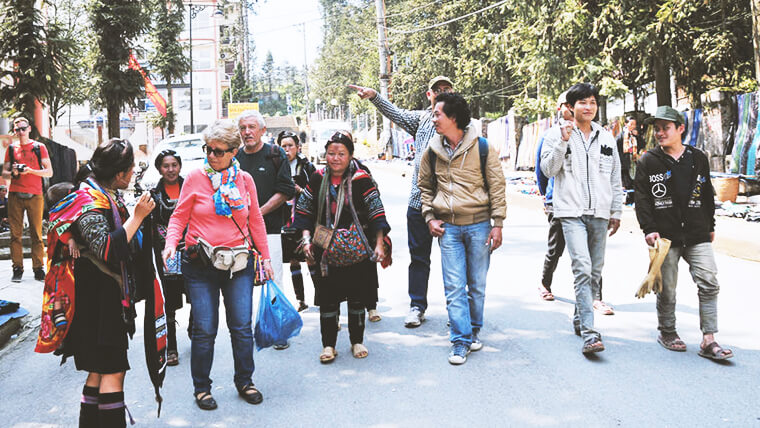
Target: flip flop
<point>546,294</point>
<point>714,352</point>
<point>374,316</point>
<point>359,350</point>
<point>172,358</point>
<point>671,342</point>
<point>328,355</point>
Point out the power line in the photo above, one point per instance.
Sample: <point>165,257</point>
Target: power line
<point>429,27</point>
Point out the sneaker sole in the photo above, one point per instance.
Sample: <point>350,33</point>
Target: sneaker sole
<point>414,324</point>
<point>476,348</point>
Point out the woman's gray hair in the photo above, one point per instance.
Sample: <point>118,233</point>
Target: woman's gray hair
<point>224,131</point>
<point>254,114</point>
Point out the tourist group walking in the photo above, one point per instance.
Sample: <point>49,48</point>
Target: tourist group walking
<point>254,206</point>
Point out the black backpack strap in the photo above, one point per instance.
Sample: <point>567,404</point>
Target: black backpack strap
<point>274,155</point>
<point>432,158</point>
<point>483,149</point>
<point>37,152</point>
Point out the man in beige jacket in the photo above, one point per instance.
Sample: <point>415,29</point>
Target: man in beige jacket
<point>462,187</point>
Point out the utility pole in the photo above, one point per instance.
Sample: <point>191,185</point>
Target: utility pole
<point>384,66</point>
<point>305,74</point>
<point>756,35</point>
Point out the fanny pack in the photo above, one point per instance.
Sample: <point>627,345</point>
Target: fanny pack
<point>22,195</point>
<point>233,259</point>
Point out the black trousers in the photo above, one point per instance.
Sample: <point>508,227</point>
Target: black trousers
<point>554,250</point>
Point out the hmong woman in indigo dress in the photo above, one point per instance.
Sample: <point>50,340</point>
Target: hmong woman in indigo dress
<point>105,279</point>
<point>357,283</point>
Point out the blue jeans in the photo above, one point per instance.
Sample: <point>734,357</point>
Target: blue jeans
<point>465,256</point>
<point>203,285</point>
<point>586,240</point>
<point>420,244</point>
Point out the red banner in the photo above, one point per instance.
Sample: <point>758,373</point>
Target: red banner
<point>150,89</point>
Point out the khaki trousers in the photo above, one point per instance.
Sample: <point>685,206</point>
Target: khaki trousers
<point>34,209</point>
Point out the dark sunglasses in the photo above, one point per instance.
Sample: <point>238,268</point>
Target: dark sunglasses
<point>217,152</point>
<point>20,129</point>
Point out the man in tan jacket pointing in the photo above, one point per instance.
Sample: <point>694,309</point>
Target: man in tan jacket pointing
<point>462,187</point>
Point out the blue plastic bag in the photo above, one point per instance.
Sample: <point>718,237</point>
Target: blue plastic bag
<point>277,320</point>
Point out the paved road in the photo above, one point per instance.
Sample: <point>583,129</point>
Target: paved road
<point>530,373</point>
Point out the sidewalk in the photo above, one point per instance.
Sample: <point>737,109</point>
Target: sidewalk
<point>28,293</point>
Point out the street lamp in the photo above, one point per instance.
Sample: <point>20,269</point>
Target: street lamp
<point>195,9</point>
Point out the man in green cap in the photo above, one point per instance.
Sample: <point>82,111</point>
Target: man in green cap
<point>674,200</point>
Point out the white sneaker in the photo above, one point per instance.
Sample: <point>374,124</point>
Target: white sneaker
<point>476,344</point>
<point>458,353</point>
<point>415,318</point>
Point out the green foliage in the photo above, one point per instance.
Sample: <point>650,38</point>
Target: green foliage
<point>117,24</point>
<point>167,57</point>
<point>524,53</point>
<point>242,92</point>
<point>32,56</point>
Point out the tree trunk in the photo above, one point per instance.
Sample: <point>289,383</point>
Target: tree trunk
<point>169,108</point>
<point>603,110</point>
<point>756,35</point>
<point>113,121</point>
<point>662,80</point>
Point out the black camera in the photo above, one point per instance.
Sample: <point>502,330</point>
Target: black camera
<point>18,168</point>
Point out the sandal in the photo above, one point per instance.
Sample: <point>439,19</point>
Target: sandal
<point>671,342</point>
<point>251,394</point>
<point>714,352</point>
<point>546,294</point>
<point>359,350</point>
<point>302,306</point>
<point>205,401</point>
<point>374,316</point>
<point>604,308</point>
<point>172,358</point>
<point>328,355</point>
<point>593,345</point>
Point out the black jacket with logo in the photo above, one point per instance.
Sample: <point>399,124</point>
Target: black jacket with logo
<point>684,224</point>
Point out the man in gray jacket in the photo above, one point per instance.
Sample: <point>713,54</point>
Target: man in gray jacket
<point>588,198</point>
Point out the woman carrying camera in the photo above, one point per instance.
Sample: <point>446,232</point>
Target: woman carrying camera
<point>225,240</point>
<point>342,210</point>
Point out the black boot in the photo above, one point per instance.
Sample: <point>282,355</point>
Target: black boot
<point>112,410</point>
<point>88,408</point>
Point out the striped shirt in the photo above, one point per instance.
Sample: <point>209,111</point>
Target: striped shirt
<point>417,123</point>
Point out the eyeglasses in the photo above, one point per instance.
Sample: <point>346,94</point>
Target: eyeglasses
<point>20,129</point>
<point>439,91</point>
<point>217,152</point>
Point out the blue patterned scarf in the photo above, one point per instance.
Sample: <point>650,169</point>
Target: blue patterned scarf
<point>227,196</point>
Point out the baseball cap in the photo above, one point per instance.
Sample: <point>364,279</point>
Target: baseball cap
<point>438,79</point>
<point>562,99</point>
<point>665,113</point>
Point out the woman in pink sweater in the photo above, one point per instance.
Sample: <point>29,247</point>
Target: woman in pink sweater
<point>218,206</point>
